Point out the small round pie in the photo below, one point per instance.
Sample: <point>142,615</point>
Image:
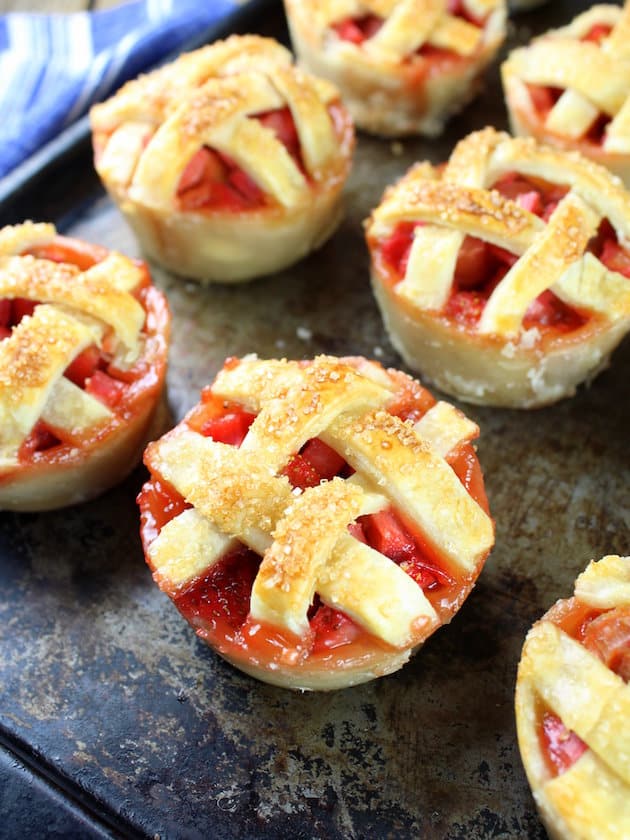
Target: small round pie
<point>503,276</point>
<point>571,87</point>
<point>573,707</point>
<point>228,163</point>
<point>83,347</point>
<point>316,521</point>
<point>402,66</point>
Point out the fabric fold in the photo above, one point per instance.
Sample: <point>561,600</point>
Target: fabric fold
<point>54,67</point>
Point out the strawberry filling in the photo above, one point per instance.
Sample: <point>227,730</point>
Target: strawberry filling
<point>481,266</point>
<point>606,634</point>
<point>562,746</point>
<point>357,30</point>
<point>91,370</point>
<point>219,600</point>
<point>597,33</point>
<point>212,180</point>
<point>608,637</point>
<point>544,97</point>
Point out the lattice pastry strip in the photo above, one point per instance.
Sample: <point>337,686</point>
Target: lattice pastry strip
<point>446,427</point>
<point>289,416</point>
<point>101,292</point>
<point>152,97</point>
<point>587,792</point>
<point>605,585</point>
<point>551,255</point>
<point>607,794</point>
<point>573,65</point>
<point>459,211</point>
<point>16,239</point>
<point>71,412</point>
<point>242,496</point>
<point>415,480</point>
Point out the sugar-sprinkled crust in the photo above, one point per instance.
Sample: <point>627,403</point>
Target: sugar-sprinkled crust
<point>498,361</point>
<point>390,86</point>
<point>242,494</point>
<point>593,80</point>
<point>74,310</point>
<point>147,133</point>
<point>590,799</point>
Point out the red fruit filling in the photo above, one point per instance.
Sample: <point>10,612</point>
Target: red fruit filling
<point>219,601</point>
<point>597,33</point>
<point>91,370</point>
<point>607,635</point>
<point>562,746</point>
<point>358,30</point>
<point>544,97</point>
<point>481,266</point>
<point>212,180</point>
<point>222,595</point>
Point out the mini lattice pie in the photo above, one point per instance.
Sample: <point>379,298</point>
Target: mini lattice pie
<point>403,66</point>
<point>83,345</point>
<point>571,87</point>
<point>503,276</point>
<point>573,707</point>
<point>228,163</point>
<point>316,521</point>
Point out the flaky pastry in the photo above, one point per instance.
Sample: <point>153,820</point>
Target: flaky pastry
<point>228,163</point>
<point>571,87</point>
<point>83,345</point>
<point>402,66</point>
<point>503,276</point>
<point>573,707</point>
<point>316,521</point>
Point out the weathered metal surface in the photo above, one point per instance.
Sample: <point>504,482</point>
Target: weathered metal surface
<point>107,692</point>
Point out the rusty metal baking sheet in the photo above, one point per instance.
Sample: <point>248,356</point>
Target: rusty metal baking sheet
<point>112,707</point>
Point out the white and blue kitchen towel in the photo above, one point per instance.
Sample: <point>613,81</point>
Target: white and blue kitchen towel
<point>53,67</point>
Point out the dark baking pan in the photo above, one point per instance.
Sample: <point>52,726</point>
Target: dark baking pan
<point>118,721</point>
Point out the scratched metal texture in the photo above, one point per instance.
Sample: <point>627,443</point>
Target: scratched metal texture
<point>116,721</point>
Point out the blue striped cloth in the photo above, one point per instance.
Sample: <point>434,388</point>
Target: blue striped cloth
<point>53,67</point>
